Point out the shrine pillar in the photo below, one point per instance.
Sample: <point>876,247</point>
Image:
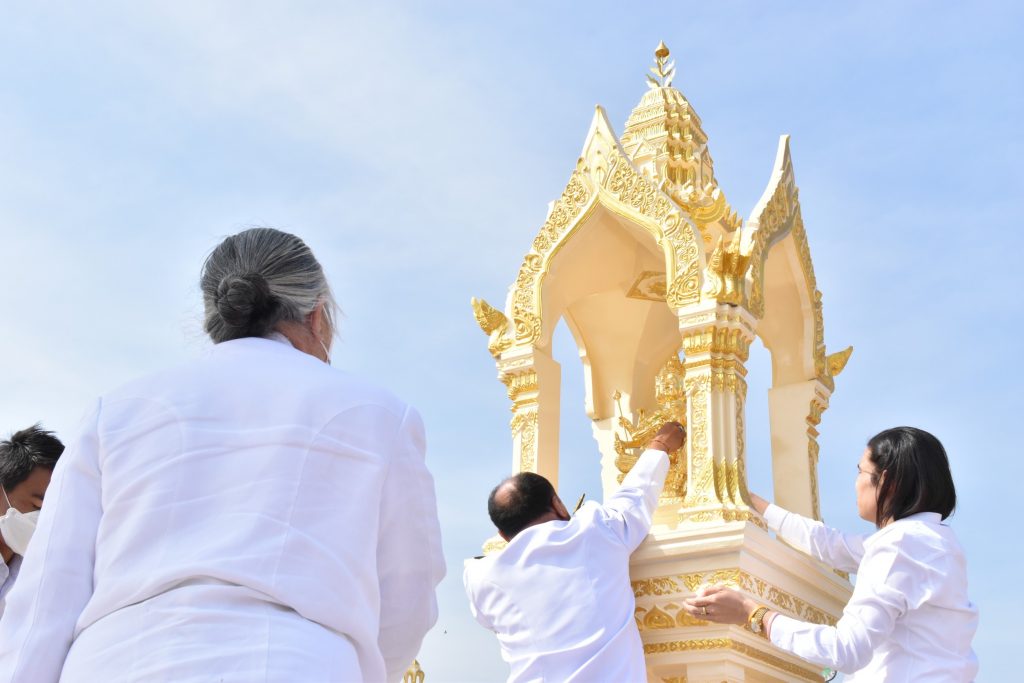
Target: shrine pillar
<point>716,344</point>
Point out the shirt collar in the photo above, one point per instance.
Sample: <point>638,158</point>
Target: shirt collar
<point>928,517</point>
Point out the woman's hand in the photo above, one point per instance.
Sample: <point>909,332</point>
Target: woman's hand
<point>720,604</point>
<point>759,503</point>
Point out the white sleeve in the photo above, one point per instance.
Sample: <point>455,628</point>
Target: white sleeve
<point>831,546</point>
<point>468,580</point>
<point>410,562</point>
<point>884,581</point>
<point>56,577</point>
<point>628,512</point>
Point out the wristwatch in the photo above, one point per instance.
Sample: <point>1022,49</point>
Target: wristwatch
<point>755,622</point>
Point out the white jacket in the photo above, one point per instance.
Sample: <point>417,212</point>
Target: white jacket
<point>251,515</point>
<point>559,597</point>
<point>909,619</point>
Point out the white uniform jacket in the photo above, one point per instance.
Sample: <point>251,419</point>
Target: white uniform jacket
<point>8,575</point>
<point>254,515</point>
<point>559,597</point>
<point>909,620</point>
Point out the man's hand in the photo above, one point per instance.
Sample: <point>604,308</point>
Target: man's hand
<point>669,438</point>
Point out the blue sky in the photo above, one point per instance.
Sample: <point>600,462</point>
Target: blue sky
<point>415,147</point>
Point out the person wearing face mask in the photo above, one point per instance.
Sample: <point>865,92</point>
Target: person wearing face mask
<point>910,619</point>
<point>27,460</point>
<point>558,595</point>
<point>252,515</point>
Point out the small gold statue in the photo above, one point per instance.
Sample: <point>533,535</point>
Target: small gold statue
<point>671,399</point>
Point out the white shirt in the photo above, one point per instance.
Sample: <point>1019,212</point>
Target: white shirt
<point>909,620</point>
<point>8,575</point>
<point>251,515</point>
<point>558,596</point>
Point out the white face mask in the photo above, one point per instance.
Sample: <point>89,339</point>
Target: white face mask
<point>17,527</point>
<point>327,352</point>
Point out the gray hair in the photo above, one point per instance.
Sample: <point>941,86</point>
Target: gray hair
<point>258,278</point>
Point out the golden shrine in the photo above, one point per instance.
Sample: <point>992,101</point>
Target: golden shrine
<point>663,288</point>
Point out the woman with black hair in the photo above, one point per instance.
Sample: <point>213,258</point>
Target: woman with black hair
<point>909,618</point>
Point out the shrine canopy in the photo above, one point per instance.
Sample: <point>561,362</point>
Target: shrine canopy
<point>644,258</point>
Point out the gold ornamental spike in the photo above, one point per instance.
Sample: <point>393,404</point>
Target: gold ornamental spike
<point>664,71</point>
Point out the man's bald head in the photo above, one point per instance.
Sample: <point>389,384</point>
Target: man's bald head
<point>519,502</point>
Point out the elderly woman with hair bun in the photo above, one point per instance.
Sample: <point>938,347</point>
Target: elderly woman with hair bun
<point>253,515</point>
<point>909,620</point>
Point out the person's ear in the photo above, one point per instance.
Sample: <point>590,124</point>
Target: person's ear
<point>559,507</point>
<point>318,321</point>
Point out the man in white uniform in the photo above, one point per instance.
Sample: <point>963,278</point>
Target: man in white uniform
<point>558,596</point>
<point>27,460</point>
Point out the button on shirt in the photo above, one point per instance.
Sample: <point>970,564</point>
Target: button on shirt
<point>909,619</point>
<point>8,575</point>
<point>558,596</point>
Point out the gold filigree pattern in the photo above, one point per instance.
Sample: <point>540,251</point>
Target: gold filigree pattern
<point>526,295</point>
<point>522,387</point>
<point>628,187</point>
<point>705,644</point>
<point>769,227</point>
<point>656,618</point>
<point>524,427</point>
<point>682,585</point>
<point>812,464</point>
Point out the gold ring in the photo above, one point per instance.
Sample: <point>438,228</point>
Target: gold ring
<point>703,611</point>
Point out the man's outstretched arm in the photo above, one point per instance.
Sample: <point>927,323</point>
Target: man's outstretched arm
<point>630,509</point>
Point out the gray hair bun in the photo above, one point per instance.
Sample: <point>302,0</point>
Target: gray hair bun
<point>245,304</point>
<point>259,278</point>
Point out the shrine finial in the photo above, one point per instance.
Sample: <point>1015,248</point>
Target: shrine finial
<point>664,71</point>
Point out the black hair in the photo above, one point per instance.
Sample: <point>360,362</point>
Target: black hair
<point>917,476</point>
<point>26,450</point>
<point>526,497</point>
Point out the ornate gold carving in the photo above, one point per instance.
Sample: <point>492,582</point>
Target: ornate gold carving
<point>664,138</point>
<point>684,584</point>
<point>630,188</point>
<point>700,469</point>
<point>662,585</point>
<point>812,463</point>
<point>656,618</point>
<point>674,679</point>
<point>648,286</point>
<point>526,295</point>
<point>522,387</point>
<point>670,397</point>
<point>725,272</point>
<point>414,674</point>
<point>769,227</point>
<point>494,324</point>
<point>716,340</point>
<point>835,362</point>
<point>705,644</point>
<point>524,426</point>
